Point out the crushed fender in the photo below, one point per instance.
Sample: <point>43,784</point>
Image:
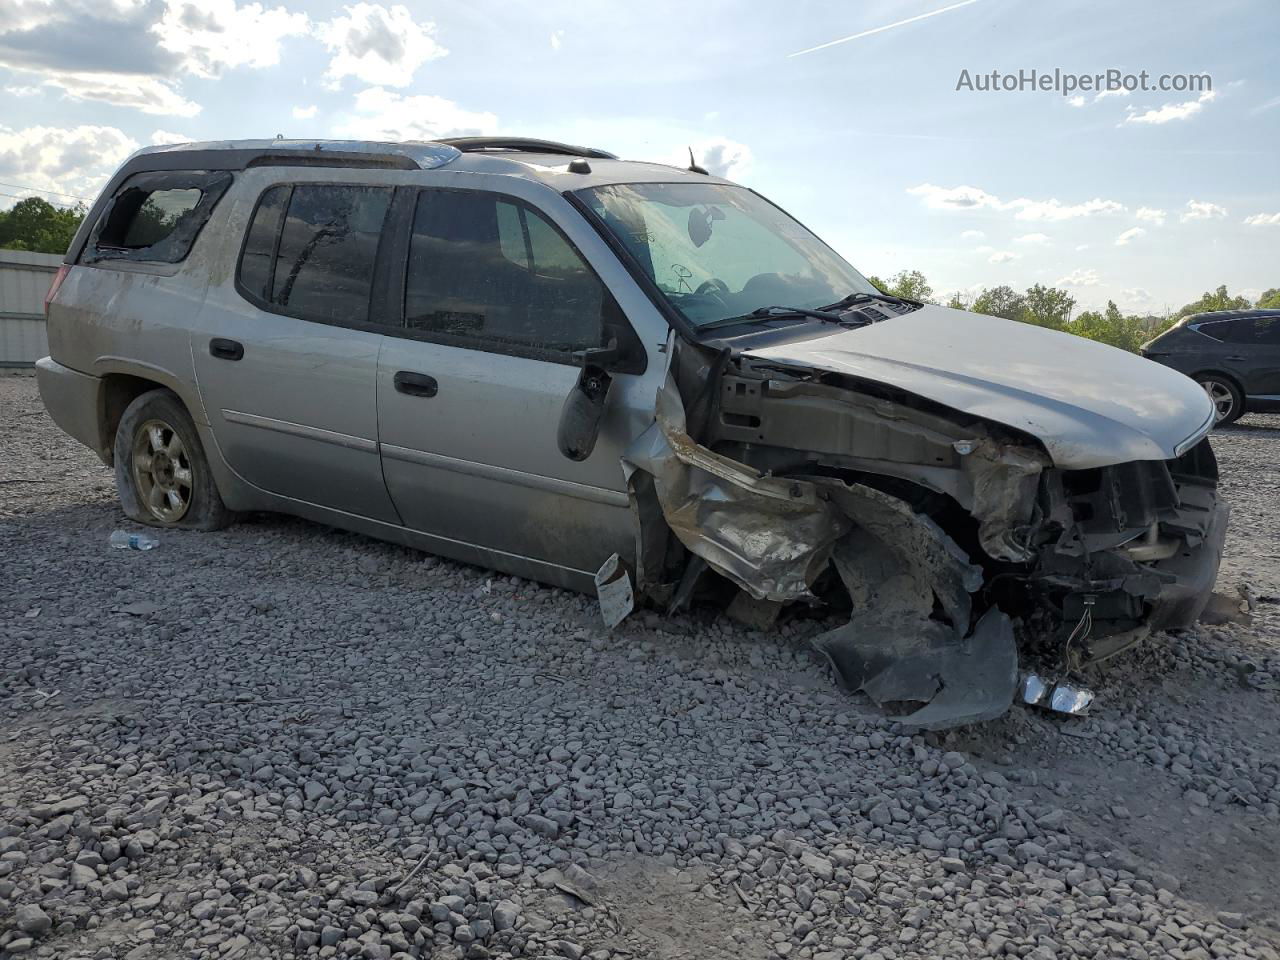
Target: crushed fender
<point>769,535</point>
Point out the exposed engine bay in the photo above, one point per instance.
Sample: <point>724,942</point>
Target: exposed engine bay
<point>960,552</point>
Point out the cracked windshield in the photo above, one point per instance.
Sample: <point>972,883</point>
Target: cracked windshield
<point>718,251</point>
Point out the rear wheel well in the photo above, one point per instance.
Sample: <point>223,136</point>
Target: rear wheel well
<point>1221,375</point>
<point>120,390</point>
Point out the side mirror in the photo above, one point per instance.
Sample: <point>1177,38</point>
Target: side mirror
<point>584,407</point>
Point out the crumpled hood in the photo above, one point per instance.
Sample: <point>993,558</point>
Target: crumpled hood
<point>1088,403</point>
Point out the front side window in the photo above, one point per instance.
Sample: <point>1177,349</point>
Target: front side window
<point>311,248</point>
<point>717,251</point>
<point>156,216</point>
<point>487,270</point>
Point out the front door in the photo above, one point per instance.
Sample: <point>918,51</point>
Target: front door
<point>469,397</point>
<point>286,355</point>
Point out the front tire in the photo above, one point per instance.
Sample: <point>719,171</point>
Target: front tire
<point>1228,401</point>
<point>162,473</point>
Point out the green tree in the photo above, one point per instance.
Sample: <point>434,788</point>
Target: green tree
<point>1048,307</point>
<point>1113,327</point>
<point>912,285</point>
<point>958,301</point>
<point>35,225</point>
<point>1218,300</point>
<point>1002,301</point>
<point>1270,300</point>
<point>877,283</point>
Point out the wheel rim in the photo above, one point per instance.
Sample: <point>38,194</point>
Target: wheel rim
<point>1221,396</point>
<point>162,471</point>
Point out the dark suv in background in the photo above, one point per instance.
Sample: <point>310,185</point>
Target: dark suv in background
<point>1233,354</point>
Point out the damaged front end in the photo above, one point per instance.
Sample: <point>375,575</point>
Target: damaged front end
<point>956,546</point>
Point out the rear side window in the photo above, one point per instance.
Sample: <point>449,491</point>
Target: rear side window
<point>487,271</point>
<point>311,248</point>
<point>1260,331</point>
<point>156,217</point>
<point>1220,330</point>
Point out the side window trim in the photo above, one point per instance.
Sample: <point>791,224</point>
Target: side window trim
<point>636,359</point>
<point>390,321</point>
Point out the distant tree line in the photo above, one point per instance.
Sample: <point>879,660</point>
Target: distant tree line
<point>1053,308</point>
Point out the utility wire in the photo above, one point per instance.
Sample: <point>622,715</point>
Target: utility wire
<point>56,193</point>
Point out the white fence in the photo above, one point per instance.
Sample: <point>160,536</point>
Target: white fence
<point>24,280</point>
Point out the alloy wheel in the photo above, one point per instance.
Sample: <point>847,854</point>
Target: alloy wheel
<point>1223,400</point>
<point>162,471</point>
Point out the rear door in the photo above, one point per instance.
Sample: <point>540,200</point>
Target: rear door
<point>286,352</point>
<point>1254,351</point>
<point>496,302</point>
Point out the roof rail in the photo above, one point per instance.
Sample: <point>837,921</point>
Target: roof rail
<point>239,154</point>
<point>525,145</point>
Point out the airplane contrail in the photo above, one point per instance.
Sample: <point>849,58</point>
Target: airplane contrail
<point>890,26</point>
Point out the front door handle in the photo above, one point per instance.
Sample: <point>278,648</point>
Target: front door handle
<point>415,384</point>
<point>1237,359</point>
<point>225,349</point>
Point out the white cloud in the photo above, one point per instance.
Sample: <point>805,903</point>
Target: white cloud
<point>953,198</point>
<point>1038,239</point>
<point>1171,111</point>
<point>22,91</point>
<point>1083,246</point>
<point>1076,101</point>
<point>159,137</point>
<point>72,160</point>
<point>1263,220</point>
<point>556,37</point>
<point>218,33</point>
<point>1117,92</point>
<point>378,45</point>
<point>1151,215</point>
<point>974,198</point>
<point>1270,104</point>
<point>1135,295</point>
<point>382,114</point>
<point>972,235</point>
<point>1079,278</point>
<point>1133,233</point>
<point>305,113</point>
<point>1202,210</point>
<point>1002,256</point>
<point>719,156</point>
<point>145,93</point>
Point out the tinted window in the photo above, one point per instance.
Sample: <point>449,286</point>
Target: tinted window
<point>492,271</point>
<point>156,216</point>
<point>325,252</point>
<point>1219,330</point>
<point>1261,331</point>
<point>260,244</point>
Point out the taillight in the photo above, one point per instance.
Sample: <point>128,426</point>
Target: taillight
<point>53,287</point>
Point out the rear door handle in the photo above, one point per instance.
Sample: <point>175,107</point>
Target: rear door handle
<point>1237,359</point>
<point>415,384</point>
<point>225,349</point>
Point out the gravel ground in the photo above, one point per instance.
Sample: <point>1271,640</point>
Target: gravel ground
<point>282,740</point>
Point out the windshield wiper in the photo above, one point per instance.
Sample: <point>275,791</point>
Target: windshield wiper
<point>853,298</point>
<point>774,313</point>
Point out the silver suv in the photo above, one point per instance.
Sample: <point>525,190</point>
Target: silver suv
<point>629,377</point>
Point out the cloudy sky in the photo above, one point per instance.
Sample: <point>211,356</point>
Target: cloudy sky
<point>1147,198</point>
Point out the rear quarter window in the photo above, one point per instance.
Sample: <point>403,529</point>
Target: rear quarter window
<point>156,217</point>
